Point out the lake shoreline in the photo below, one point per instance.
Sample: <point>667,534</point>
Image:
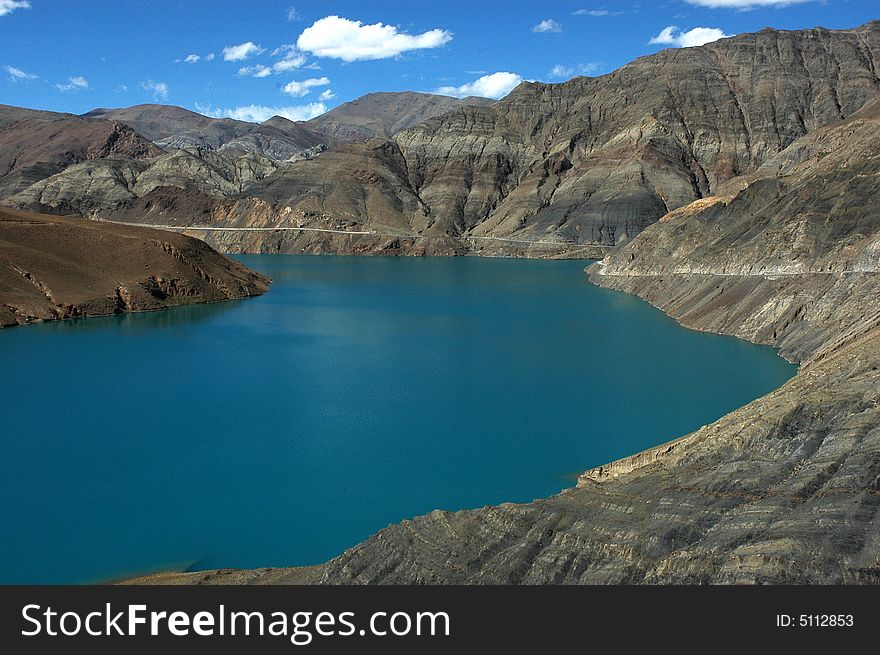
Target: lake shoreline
<point>290,240</point>
<point>585,483</point>
<point>831,391</point>
<point>441,346</point>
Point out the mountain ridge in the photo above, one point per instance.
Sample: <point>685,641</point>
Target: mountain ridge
<point>174,128</point>
<point>588,162</point>
<point>37,145</point>
<point>385,113</point>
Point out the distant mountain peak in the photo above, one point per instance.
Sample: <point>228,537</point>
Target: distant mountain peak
<point>385,113</point>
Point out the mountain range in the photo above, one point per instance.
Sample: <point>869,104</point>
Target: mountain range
<point>592,161</point>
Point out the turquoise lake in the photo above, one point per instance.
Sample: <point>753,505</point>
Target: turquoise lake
<point>358,392</point>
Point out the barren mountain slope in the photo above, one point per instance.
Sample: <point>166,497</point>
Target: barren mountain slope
<point>10,115</point>
<point>35,145</point>
<point>385,114</point>
<point>175,127</point>
<point>589,161</point>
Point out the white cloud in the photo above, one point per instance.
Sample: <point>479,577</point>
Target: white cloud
<point>293,14</point>
<point>548,25</point>
<point>744,4</point>
<point>327,94</point>
<point>496,85</point>
<point>560,72</point>
<point>291,58</point>
<point>697,36</point>
<point>75,83</point>
<point>8,6</point>
<point>351,40</point>
<point>194,59</point>
<point>242,51</point>
<point>158,89</point>
<point>18,75</point>
<point>299,89</point>
<point>260,113</point>
<point>590,12</point>
<point>255,71</point>
<point>289,63</point>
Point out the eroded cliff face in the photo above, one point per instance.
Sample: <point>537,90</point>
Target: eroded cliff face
<point>784,490</point>
<point>54,267</point>
<point>599,159</point>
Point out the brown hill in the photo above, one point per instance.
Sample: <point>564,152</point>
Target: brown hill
<point>10,115</point>
<point>54,267</point>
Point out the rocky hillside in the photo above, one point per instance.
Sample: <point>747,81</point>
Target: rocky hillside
<point>802,234</point>
<point>174,128</point>
<point>599,159</point>
<point>592,161</point>
<point>88,188</point>
<point>36,144</point>
<point>106,162</point>
<point>54,267</point>
<point>10,115</point>
<point>784,490</point>
<point>63,164</point>
<point>385,114</point>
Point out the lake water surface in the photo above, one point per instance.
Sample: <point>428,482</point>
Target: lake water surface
<point>358,392</point>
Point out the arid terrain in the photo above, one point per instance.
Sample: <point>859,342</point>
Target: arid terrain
<point>733,185</point>
<point>53,267</point>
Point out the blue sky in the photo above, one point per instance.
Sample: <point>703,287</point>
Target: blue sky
<point>252,59</point>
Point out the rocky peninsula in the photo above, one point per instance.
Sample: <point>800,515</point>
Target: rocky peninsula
<point>54,267</point>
